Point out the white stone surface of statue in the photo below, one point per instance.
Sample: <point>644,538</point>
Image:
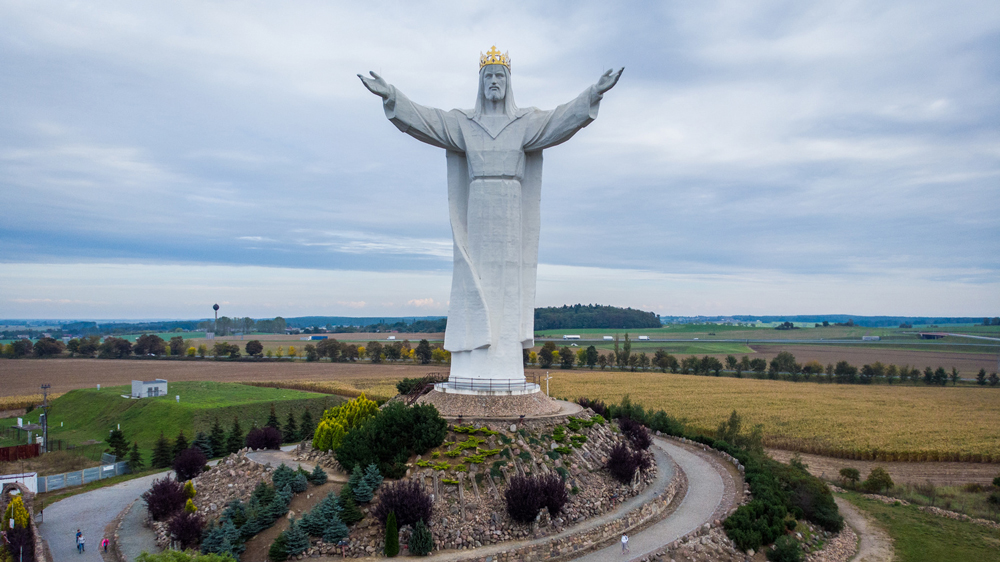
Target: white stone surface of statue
<point>494,161</point>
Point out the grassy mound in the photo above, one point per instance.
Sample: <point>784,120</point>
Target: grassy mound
<point>84,415</point>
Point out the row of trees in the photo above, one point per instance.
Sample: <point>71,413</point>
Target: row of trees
<point>783,366</point>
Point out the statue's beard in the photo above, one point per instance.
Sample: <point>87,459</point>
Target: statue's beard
<point>494,95</point>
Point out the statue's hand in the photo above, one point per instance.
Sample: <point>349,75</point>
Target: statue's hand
<point>608,80</point>
<point>376,85</point>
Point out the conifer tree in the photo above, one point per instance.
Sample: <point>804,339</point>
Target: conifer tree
<point>318,476</point>
<point>313,523</point>
<point>179,445</point>
<point>336,530</point>
<point>118,444</point>
<point>234,441</point>
<point>296,540</point>
<point>299,483</point>
<point>272,420</point>
<point>217,438</point>
<point>189,491</point>
<point>391,535</point>
<point>278,551</point>
<point>421,541</point>
<point>349,512</point>
<point>162,455</point>
<point>290,433</point>
<point>363,492</point>
<point>307,427</point>
<point>357,475</point>
<point>204,443</point>
<point>135,463</point>
<point>373,477</point>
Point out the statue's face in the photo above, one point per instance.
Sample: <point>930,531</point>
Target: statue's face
<point>494,82</point>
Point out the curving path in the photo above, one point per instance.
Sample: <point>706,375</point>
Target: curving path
<point>90,512</point>
<point>708,495</point>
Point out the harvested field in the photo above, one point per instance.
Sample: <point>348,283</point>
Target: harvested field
<point>939,473</point>
<point>968,364</point>
<point>23,376</point>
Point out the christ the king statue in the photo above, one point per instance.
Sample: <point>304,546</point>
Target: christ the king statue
<point>494,156</point>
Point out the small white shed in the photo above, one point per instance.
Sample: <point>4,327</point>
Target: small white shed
<point>149,389</point>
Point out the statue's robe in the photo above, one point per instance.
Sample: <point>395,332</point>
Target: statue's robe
<point>494,195</point>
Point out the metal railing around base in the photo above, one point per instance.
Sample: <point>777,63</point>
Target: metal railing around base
<point>490,385</point>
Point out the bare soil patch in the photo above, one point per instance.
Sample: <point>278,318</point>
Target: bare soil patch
<point>939,473</point>
<point>56,462</point>
<point>968,364</point>
<point>23,376</point>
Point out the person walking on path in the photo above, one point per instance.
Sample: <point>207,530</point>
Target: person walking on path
<point>104,544</point>
<point>625,544</point>
<point>83,544</point>
<point>78,535</point>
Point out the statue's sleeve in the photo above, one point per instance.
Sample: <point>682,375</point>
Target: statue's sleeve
<point>433,126</point>
<point>549,128</point>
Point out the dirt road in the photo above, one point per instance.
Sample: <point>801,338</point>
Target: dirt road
<point>875,545</point>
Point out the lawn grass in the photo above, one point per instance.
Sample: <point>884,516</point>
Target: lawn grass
<point>89,414</point>
<point>920,537</point>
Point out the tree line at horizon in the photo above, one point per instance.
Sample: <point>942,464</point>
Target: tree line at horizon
<point>782,367</point>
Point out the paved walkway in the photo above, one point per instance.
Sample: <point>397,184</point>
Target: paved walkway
<point>135,538</point>
<point>90,512</point>
<point>705,494</point>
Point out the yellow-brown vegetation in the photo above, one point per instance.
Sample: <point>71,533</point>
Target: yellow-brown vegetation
<point>889,423</point>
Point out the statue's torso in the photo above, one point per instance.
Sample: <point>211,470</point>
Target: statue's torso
<point>500,157</point>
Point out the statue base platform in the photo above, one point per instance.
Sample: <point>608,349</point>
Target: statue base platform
<point>487,404</point>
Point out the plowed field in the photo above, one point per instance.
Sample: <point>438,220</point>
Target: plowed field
<point>968,364</point>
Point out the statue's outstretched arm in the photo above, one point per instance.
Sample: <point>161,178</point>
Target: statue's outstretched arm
<point>549,128</point>
<point>607,80</point>
<point>376,85</point>
<point>432,126</point>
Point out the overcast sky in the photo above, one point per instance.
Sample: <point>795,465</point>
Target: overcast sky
<point>755,158</point>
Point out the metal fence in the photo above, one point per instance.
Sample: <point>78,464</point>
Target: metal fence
<point>81,477</point>
<point>491,385</point>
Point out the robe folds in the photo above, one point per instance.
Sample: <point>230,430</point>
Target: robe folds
<point>494,198</point>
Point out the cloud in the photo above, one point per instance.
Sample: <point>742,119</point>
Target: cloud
<point>761,137</point>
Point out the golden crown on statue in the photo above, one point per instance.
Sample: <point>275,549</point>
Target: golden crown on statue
<point>493,56</point>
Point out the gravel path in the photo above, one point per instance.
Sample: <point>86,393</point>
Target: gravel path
<point>135,537</point>
<point>706,495</point>
<point>875,545</point>
<point>90,512</point>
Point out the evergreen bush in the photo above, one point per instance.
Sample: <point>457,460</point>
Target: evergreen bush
<point>296,540</point>
<point>391,536</point>
<point>278,551</point>
<point>318,476</point>
<point>264,438</point>
<point>421,540</point>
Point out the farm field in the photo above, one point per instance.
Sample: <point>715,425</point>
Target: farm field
<point>968,364</point>
<point>817,418</point>
<point>24,376</point>
<point>827,419</point>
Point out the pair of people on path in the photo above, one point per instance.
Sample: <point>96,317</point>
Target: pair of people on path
<point>80,542</point>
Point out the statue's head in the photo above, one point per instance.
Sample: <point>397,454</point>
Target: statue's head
<point>494,82</point>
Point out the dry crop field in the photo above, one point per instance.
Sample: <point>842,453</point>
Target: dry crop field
<point>931,423</point>
<point>902,422</point>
